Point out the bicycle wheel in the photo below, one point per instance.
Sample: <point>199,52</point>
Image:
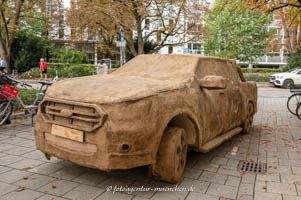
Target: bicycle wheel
<point>292,103</point>
<point>5,111</point>
<point>298,111</point>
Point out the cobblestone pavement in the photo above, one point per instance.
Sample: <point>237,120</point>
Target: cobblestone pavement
<point>25,174</point>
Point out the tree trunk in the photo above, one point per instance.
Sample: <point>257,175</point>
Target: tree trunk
<point>140,37</point>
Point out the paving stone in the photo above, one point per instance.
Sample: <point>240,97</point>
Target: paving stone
<point>246,188</point>
<point>260,186</point>
<point>84,192</point>
<point>69,173</point>
<point>222,191</point>
<point>58,187</point>
<point>192,173</point>
<point>115,196</point>
<point>243,196</point>
<point>213,177</point>
<point>296,170</point>
<point>34,155</point>
<point>18,151</point>
<point>219,161</point>
<point>290,178</point>
<point>197,196</point>
<point>281,188</point>
<point>5,147</point>
<point>233,181</point>
<point>248,178</point>
<point>46,168</point>
<point>26,163</point>
<point>35,181</point>
<point>170,195</point>
<point>268,177</point>
<point>50,197</point>
<point>4,169</point>
<point>280,170</point>
<point>291,197</point>
<point>26,194</point>
<point>13,140</point>
<point>115,181</point>
<point>267,196</point>
<point>28,143</point>
<point>206,166</point>
<point>91,178</point>
<point>13,176</point>
<point>9,159</point>
<point>232,163</point>
<point>6,188</point>
<point>228,171</point>
<point>198,186</point>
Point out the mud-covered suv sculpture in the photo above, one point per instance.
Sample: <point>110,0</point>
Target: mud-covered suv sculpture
<point>148,112</point>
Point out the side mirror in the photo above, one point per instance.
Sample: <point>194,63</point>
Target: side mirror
<point>213,82</point>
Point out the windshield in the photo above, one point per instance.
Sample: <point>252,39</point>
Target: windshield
<point>294,70</point>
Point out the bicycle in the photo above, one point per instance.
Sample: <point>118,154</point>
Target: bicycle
<point>294,100</point>
<point>9,92</point>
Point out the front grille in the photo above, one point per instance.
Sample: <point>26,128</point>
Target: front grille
<point>80,116</point>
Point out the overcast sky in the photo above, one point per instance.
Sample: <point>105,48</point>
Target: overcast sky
<point>66,3</point>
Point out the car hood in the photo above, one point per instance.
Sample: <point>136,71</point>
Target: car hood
<point>282,74</point>
<point>103,89</point>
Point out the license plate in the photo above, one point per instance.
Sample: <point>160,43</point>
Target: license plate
<point>68,133</point>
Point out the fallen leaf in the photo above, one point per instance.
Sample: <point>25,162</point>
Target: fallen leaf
<point>44,190</point>
<point>213,174</point>
<point>25,177</point>
<point>20,189</point>
<point>264,187</point>
<point>26,168</point>
<point>275,167</point>
<point>53,186</point>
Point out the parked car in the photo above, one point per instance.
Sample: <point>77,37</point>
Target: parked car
<point>287,79</point>
<point>148,112</point>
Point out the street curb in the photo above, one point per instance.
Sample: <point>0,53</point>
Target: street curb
<point>17,115</point>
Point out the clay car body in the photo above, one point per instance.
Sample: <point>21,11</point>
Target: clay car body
<point>148,112</point>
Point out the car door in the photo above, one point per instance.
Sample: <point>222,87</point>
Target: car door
<point>214,98</point>
<point>298,78</point>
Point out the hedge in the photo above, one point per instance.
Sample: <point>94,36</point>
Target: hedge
<point>260,70</point>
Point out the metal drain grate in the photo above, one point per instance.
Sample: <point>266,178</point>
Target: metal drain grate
<point>258,168</point>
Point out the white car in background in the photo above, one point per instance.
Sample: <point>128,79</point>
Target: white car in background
<point>287,79</point>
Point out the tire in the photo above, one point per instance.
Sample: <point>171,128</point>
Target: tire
<point>288,83</point>
<point>171,157</point>
<point>292,103</point>
<point>6,109</point>
<point>247,125</point>
<point>298,111</point>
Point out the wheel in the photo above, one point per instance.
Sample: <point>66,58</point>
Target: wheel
<point>298,111</point>
<point>6,109</point>
<point>292,103</point>
<point>288,84</point>
<point>171,157</point>
<point>247,125</point>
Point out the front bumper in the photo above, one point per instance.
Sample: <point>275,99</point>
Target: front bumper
<point>276,82</point>
<point>95,152</point>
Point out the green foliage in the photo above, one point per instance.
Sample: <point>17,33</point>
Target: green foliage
<point>27,49</point>
<point>72,56</point>
<point>260,70</point>
<point>294,60</point>
<point>236,33</point>
<point>149,46</point>
<point>115,65</point>
<point>257,77</point>
<point>27,96</point>
<point>65,71</point>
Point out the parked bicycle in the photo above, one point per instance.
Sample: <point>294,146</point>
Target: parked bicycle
<point>9,92</point>
<point>294,102</point>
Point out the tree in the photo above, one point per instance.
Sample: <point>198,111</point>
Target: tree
<point>149,46</point>
<point>288,12</point>
<point>12,14</point>
<point>294,60</point>
<point>26,50</point>
<point>141,19</point>
<point>237,34</point>
<point>72,56</point>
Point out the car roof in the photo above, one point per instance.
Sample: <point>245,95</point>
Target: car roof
<point>164,66</point>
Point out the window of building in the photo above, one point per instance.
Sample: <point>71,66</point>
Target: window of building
<point>170,49</point>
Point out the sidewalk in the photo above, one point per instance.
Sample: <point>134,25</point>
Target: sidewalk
<point>26,175</point>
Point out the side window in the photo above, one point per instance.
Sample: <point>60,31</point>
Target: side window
<point>213,67</point>
<point>299,73</point>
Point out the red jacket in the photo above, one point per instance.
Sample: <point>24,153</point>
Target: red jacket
<point>43,65</point>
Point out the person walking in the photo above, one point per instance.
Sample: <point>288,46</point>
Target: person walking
<point>43,68</point>
<point>2,65</point>
<point>102,68</point>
